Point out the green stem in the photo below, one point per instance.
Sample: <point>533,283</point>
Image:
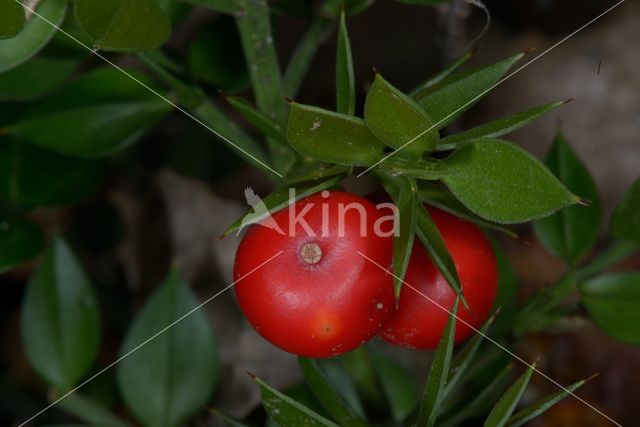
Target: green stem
<point>202,109</point>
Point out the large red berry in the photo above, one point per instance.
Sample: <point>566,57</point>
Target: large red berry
<point>421,317</point>
<point>319,297</point>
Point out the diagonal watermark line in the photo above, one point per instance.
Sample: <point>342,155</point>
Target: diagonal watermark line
<point>150,89</point>
<point>147,341</point>
<point>512,354</point>
<point>495,85</point>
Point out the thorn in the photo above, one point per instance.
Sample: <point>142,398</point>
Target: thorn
<point>592,377</point>
<point>252,375</point>
<point>375,70</point>
<point>289,100</point>
<point>584,202</point>
<point>222,94</point>
<point>530,50</point>
<point>566,101</point>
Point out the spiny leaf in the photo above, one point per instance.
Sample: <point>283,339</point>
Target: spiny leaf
<point>502,411</point>
<point>625,223</point>
<point>397,120</point>
<point>541,406</point>
<point>436,382</point>
<point>122,25</point>
<point>332,137</point>
<point>503,183</point>
<point>11,18</point>
<point>447,100</point>
<point>440,76</point>
<point>278,200</point>
<point>287,412</point>
<point>498,127</point>
<point>257,118</point>
<point>432,240</point>
<point>571,232</point>
<point>345,80</point>
<point>324,391</point>
<point>60,318</point>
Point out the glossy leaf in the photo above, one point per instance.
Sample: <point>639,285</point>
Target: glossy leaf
<point>345,79</point>
<point>35,35</point>
<point>20,240</point>
<point>443,199</point>
<point>538,408</point>
<point>287,412</point>
<point>278,200</point>
<point>571,232</point>
<point>317,380</point>
<point>231,7</point>
<point>434,244</point>
<point>60,318</point>
<point>95,116</point>
<point>436,382</point>
<point>11,19</point>
<point>332,137</point>
<point>625,223</point>
<point>447,100</point>
<point>463,359</point>
<point>407,203</point>
<point>399,386</point>
<point>503,183</point>
<point>264,124</point>
<point>35,78</point>
<point>441,75</point>
<point>123,26</point>
<point>613,302</point>
<point>502,411</point>
<point>172,363</point>
<point>90,411</point>
<point>339,378</point>
<point>32,177</point>
<point>498,127</point>
<point>397,120</point>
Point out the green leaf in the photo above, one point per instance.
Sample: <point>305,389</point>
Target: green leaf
<point>11,19</point>
<point>571,232</point>
<point>35,35</point>
<point>397,120</point>
<point>498,127</point>
<point>503,183</point>
<point>323,390</point>
<point>447,100</point>
<point>407,203</point>
<point>332,137</point>
<point>506,300</point>
<point>322,172</point>
<point>35,78</point>
<point>215,56</point>
<point>20,240</point>
<point>264,124</point>
<point>440,76</point>
<point>278,200</point>
<point>60,318</point>
<point>228,419</point>
<point>463,359</point>
<point>287,412</point>
<point>360,366</point>
<point>231,7</point>
<point>340,379</point>
<point>31,177</point>
<point>97,115</point>
<point>538,408</point>
<point>436,382</point>
<point>345,79</point>
<point>625,223</point>
<point>434,244</point>
<point>123,26</point>
<point>171,365</point>
<point>613,302</point>
<point>502,411</point>
<point>399,386</point>
<point>443,199</point>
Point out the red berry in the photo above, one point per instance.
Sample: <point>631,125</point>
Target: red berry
<point>418,322</point>
<point>319,298</point>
